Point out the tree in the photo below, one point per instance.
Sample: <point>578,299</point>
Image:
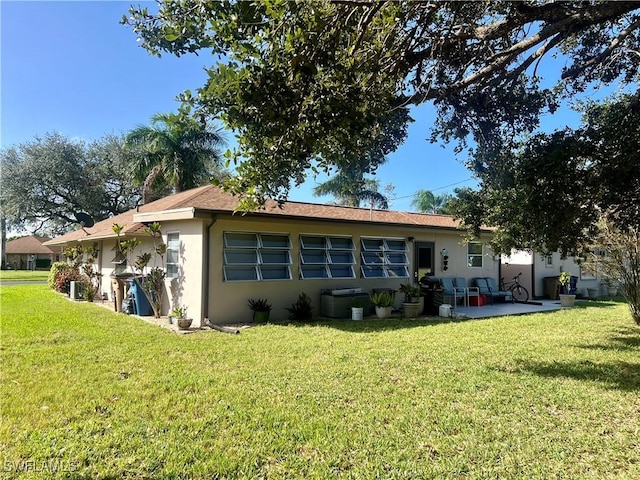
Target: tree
<point>615,252</point>
<point>310,84</point>
<point>175,150</point>
<point>548,192</point>
<point>47,181</point>
<point>425,201</point>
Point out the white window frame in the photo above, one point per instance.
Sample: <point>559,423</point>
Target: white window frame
<point>260,248</point>
<point>322,257</point>
<point>172,267</point>
<point>384,257</point>
<point>474,255</point>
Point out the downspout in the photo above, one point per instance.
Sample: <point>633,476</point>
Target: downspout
<point>205,270</point>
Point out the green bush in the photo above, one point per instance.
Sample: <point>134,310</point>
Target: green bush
<point>56,269</point>
<point>302,309</point>
<point>43,263</point>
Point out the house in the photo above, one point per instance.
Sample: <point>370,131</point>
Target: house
<point>217,258</point>
<point>540,273</point>
<point>30,253</point>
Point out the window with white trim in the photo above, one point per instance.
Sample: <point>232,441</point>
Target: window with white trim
<point>256,256</point>
<point>326,257</point>
<point>173,254</point>
<point>384,258</point>
<point>474,255</point>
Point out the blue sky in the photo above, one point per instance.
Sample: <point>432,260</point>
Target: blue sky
<point>70,67</point>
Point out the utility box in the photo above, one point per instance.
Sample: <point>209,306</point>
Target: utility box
<point>338,303</point>
<point>75,290</point>
<point>445,310</point>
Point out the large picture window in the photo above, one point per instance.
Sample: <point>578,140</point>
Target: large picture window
<point>256,256</point>
<point>474,255</point>
<point>384,258</point>
<point>326,257</point>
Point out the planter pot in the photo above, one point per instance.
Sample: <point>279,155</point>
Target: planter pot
<point>593,293</point>
<point>357,313</point>
<point>184,323</point>
<point>411,310</point>
<point>261,317</point>
<point>567,301</point>
<point>383,312</point>
<point>612,291</point>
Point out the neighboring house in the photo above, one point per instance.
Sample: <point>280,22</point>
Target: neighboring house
<point>29,253</point>
<point>218,259</point>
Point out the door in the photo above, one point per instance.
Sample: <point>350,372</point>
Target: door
<point>424,261</point>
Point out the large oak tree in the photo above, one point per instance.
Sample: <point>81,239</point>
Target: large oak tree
<point>308,85</point>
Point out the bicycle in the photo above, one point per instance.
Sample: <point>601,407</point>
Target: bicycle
<point>518,293</point>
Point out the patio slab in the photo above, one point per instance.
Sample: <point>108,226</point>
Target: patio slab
<point>501,309</point>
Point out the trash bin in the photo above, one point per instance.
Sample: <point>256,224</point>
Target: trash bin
<point>140,302</point>
<point>118,293</point>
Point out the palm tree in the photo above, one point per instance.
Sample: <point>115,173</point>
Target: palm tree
<point>426,202</point>
<point>176,151</point>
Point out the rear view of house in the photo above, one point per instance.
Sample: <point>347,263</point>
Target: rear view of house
<point>217,259</point>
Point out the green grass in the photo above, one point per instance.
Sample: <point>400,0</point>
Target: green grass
<point>100,395</point>
<point>24,274</point>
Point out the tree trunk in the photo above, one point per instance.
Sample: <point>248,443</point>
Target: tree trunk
<point>148,183</point>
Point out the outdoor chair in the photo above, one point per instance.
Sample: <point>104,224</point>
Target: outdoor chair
<point>461,283</point>
<point>496,292</point>
<point>450,290</point>
<point>491,293</point>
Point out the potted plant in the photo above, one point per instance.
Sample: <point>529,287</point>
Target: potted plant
<point>383,301</point>
<point>179,314</point>
<point>612,289</point>
<point>261,309</point>
<point>357,310</point>
<point>411,303</point>
<point>566,299</point>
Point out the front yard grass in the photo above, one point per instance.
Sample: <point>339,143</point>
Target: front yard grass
<point>90,394</point>
<point>24,274</point>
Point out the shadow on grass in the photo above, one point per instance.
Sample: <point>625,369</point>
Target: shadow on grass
<point>624,339</point>
<point>616,375</point>
<point>370,324</point>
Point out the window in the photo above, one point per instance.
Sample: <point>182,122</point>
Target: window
<point>384,258</point>
<point>173,254</point>
<point>474,255</point>
<point>548,261</point>
<point>256,256</point>
<point>326,257</point>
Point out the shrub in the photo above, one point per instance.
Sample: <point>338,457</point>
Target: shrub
<point>65,278</point>
<point>302,309</point>
<point>56,269</point>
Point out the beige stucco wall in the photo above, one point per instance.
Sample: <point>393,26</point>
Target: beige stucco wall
<point>227,301</point>
<point>568,265</point>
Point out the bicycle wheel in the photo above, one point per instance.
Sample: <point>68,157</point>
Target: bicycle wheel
<point>520,294</point>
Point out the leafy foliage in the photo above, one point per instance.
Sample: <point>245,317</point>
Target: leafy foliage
<point>54,273</point>
<point>302,308</point>
<point>548,192</point>
<point>45,182</point>
<point>425,201</point>
<point>314,85</point>
<point>259,305</point>
<point>175,150</point>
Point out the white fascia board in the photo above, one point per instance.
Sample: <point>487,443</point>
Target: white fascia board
<point>177,214</point>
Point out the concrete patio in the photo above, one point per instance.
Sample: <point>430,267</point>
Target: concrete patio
<point>500,309</point>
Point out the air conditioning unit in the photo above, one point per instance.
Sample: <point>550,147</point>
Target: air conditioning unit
<point>75,290</point>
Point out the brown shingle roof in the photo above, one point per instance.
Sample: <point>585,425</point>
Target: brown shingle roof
<point>29,245</point>
<point>212,199</point>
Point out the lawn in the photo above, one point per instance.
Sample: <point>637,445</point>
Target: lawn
<point>24,274</point>
<point>90,394</point>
